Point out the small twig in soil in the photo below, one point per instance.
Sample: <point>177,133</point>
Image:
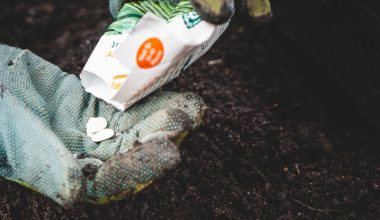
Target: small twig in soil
<point>297,166</point>
<point>215,62</point>
<point>311,208</point>
<point>267,183</point>
<point>271,107</point>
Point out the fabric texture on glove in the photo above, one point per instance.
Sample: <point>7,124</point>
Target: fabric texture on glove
<point>43,141</point>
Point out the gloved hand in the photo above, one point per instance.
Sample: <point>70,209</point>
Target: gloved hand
<point>214,11</point>
<point>43,140</point>
<point>219,11</point>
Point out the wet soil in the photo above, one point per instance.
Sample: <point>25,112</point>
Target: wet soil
<point>280,140</point>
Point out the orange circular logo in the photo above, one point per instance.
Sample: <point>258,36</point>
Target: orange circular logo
<point>150,53</point>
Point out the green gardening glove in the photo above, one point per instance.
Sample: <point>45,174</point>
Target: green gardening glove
<point>218,11</point>
<point>43,140</point>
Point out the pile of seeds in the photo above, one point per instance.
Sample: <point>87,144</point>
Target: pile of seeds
<point>97,129</point>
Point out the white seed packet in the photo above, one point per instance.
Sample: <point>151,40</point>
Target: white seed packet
<point>125,68</point>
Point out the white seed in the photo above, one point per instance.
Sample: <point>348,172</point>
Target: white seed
<point>95,124</point>
<point>103,135</point>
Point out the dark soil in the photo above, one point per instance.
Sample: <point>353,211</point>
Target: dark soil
<point>279,141</point>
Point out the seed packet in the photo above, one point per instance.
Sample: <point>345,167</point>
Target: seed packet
<point>147,46</point>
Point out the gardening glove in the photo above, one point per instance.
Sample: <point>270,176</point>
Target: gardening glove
<point>43,140</point>
<point>219,11</point>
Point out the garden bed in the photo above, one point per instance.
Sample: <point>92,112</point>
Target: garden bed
<point>277,141</point>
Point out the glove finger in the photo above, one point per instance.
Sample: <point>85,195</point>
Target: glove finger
<point>169,123</point>
<point>214,11</point>
<point>260,10</point>
<point>189,103</point>
<point>31,153</point>
<point>133,170</point>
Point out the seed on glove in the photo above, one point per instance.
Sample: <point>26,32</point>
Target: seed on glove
<point>96,124</point>
<point>103,135</point>
<point>97,131</point>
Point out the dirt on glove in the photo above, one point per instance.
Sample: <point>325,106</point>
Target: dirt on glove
<point>280,140</point>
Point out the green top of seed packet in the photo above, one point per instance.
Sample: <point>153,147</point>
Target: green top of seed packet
<point>131,13</point>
